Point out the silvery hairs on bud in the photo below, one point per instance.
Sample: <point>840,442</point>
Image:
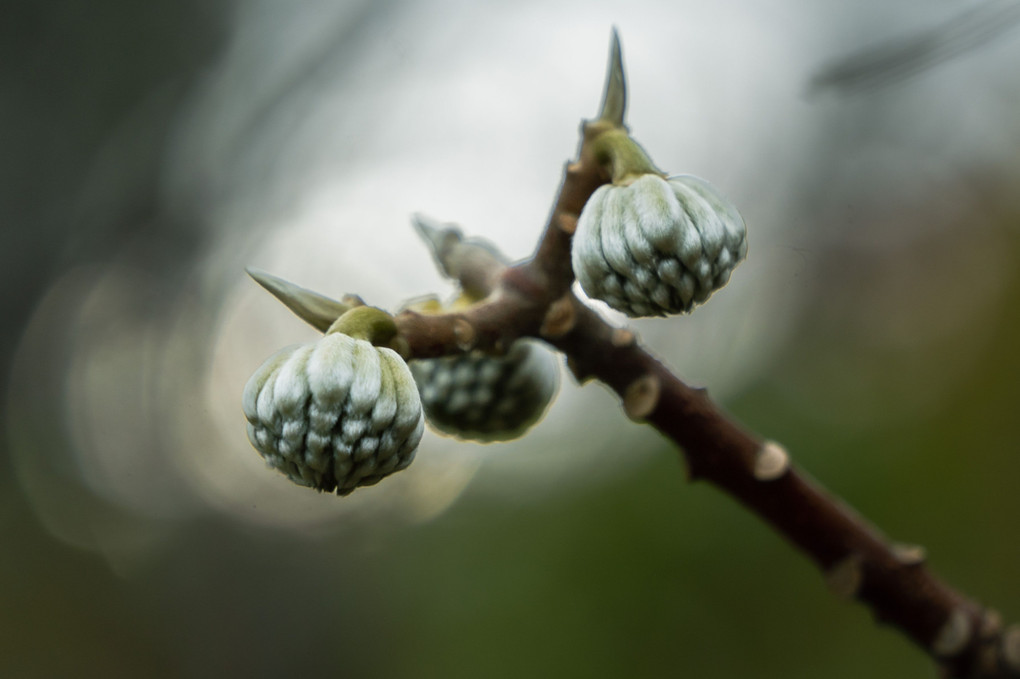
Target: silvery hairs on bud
<point>336,414</point>
<point>657,246</point>
<point>485,398</point>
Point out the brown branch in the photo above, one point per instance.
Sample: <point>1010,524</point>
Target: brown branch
<point>534,299</point>
<point>857,560</point>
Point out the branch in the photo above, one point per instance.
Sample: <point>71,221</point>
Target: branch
<point>534,299</point>
<point>857,561</point>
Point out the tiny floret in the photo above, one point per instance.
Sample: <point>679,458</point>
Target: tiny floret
<point>336,414</point>
<point>657,246</point>
<point>485,398</point>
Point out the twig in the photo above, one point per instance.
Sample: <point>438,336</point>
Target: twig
<point>534,299</point>
<point>858,562</point>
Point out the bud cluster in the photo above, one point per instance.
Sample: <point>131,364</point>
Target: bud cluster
<point>334,415</point>
<point>486,398</point>
<point>657,246</point>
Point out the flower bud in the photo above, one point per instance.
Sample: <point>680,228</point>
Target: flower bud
<point>487,398</point>
<point>656,246</point>
<point>336,414</point>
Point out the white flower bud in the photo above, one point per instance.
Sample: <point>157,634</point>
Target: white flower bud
<point>657,246</point>
<point>336,414</point>
<point>487,398</point>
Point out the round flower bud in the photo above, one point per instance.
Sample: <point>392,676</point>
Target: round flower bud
<point>336,414</point>
<point>657,246</point>
<point>487,398</point>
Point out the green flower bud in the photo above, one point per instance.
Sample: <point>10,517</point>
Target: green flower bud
<point>336,414</point>
<point>485,398</point>
<point>657,246</point>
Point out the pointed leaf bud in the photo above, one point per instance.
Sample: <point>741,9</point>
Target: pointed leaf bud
<point>336,414</point>
<point>317,310</point>
<point>488,398</point>
<point>657,246</point>
<point>614,95</point>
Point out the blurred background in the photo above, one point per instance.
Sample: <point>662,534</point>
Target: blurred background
<point>153,150</point>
